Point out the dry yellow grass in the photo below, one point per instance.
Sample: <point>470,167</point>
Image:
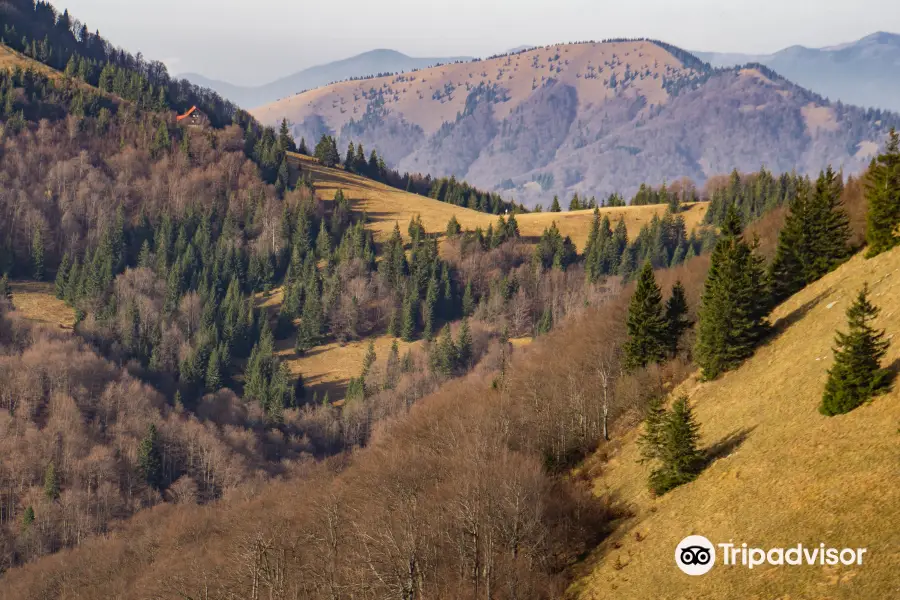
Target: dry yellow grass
<point>797,477</point>
<point>37,301</point>
<point>10,59</point>
<point>386,206</point>
<point>329,367</point>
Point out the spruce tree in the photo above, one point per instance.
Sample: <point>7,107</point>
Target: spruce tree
<point>51,483</point>
<point>429,309</point>
<point>883,194</point>
<point>734,304</point>
<point>555,207</point>
<point>468,301</point>
<point>464,346</point>
<point>856,375</point>
<point>677,321</point>
<point>786,273</point>
<point>28,518</point>
<point>150,458</point>
<point>37,254</point>
<point>830,242</point>
<point>392,367</point>
<point>814,239</point>
<point>648,331</point>
<point>408,317</point>
<point>213,373</point>
<point>545,323</point>
<point>444,356</point>
<point>670,440</point>
<point>453,227</point>
<point>62,277</point>
<point>369,359</point>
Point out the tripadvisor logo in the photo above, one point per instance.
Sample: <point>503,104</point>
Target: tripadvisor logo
<point>696,555</point>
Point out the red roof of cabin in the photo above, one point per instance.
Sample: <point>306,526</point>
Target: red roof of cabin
<point>187,114</point>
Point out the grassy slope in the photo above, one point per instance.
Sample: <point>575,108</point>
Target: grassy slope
<point>386,205</point>
<point>10,59</point>
<point>796,476</point>
<point>37,301</point>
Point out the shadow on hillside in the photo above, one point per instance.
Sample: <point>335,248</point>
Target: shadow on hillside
<point>726,445</point>
<point>316,387</point>
<point>785,322</point>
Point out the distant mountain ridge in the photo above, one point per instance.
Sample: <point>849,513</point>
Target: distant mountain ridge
<point>865,72</point>
<point>361,65</point>
<point>592,118</point>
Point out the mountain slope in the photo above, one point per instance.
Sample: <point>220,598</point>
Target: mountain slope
<point>362,65</point>
<point>786,475</point>
<point>386,206</point>
<point>591,118</point>
<point>865,72</point>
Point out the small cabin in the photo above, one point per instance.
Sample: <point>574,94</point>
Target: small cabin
<point>193,118</point>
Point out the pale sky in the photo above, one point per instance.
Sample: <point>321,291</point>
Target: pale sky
<point>251,43</point>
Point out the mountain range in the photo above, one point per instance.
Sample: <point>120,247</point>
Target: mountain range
<point>361,65</point>
<point>591,118</point>
<point>865,72</point>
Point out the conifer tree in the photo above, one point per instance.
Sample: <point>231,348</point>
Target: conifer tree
<point>453,227</point>
<point>429,309</point>
<point>734,304</point>
<point>831,240</point>
<point>555,207</point>
<point>37,254</point>
<point>285,139</point>
<point>814,239</point>
<point>51,483</point>
<point>512,227</point>
<point>883,194</point>
<point>62,277</point>
<point>27,518</point>
<point>648,331</point>
<point>545,323</point>
<point>676,317</point>
<point>409,321</point>
<point>213,372</point>
<point>144,257</point>
<point>444,355</point>
<point>856,375</point>
<point>369,359</point>
<point>150,458</point>
<point>670,440</point>
<point>468,301</point>
<point>323,242</point>
<point>392,367</point>
<point>464,345</point>
<point>5,292</point>
<point>350,158</point>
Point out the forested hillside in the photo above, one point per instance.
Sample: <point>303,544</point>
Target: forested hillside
<point>589,118</point>
<point>168,443</point>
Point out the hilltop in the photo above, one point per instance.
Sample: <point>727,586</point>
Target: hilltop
<point>784,475</point>
<point>385,206</point>
<point>362,65</point>
<point>865,72</point>
<point>591,118</point>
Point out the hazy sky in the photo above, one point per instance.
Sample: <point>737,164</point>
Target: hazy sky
<point>255,42</point>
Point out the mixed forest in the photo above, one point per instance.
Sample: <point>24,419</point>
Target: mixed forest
<point>169,408</point>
